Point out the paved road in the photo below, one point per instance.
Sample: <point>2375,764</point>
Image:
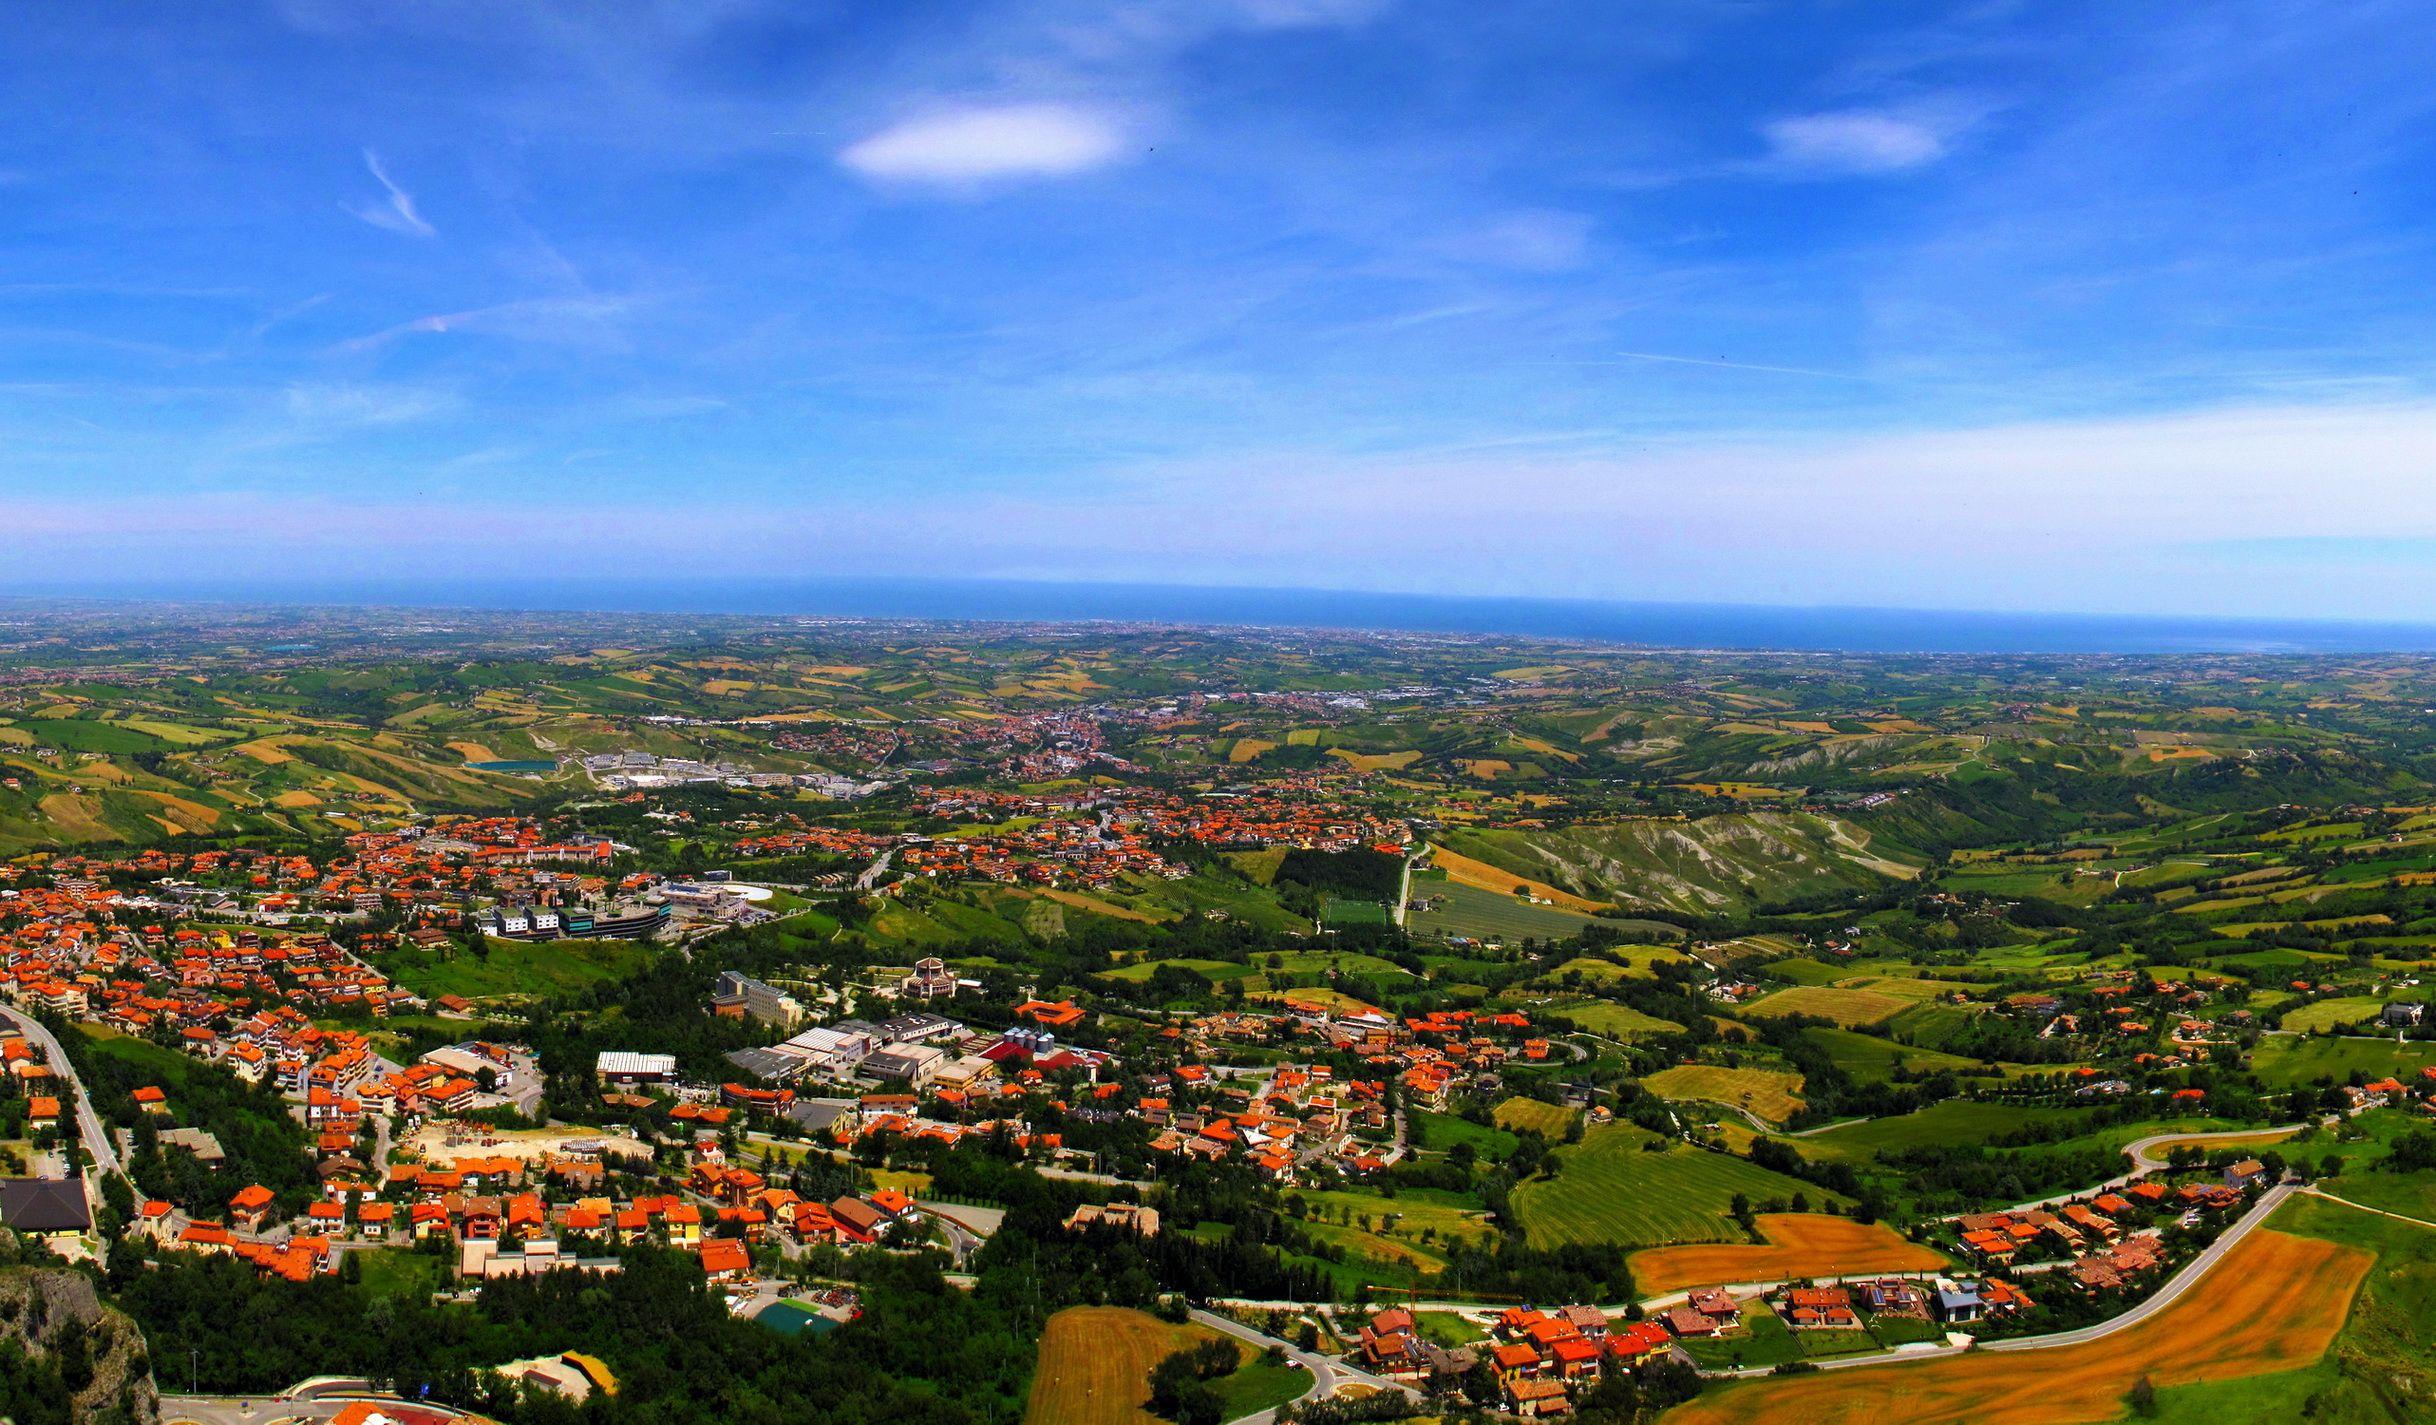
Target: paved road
<point>2144,1162</point>
<point>262,1409</point>
<point>97,1140</point>
<point>2179,1283</point>
<point>2174,1287</point>
<point>1326,1374</point>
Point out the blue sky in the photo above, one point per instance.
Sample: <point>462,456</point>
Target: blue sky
<point>2056,306</point>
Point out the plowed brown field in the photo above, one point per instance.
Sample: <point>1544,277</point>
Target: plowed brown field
<point>1800,1244</point>
<point>2274,1303</point>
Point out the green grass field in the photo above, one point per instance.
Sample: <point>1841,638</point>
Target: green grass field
<point>515,969</point>
<point>1840,1006</point>
<point>1802,971</point>
<point>1477,913</point>
<point>2331,1014</point>
<point>1870,1059</point>
<point>1616,1021</point>
<point>1216,971</point>
<point>2288,1061</point>
<point>1613,1188</point>
<point>1528,1114</point>
<point>1956,1121</point>
<point>1438,1132</point>
<point>1772,1094</point>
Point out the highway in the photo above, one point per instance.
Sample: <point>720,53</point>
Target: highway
<point>89,1124</point>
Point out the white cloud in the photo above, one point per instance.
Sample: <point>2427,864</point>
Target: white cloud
<point>398,215</point>
<point>1306,14</point>
<point>1854,141</point>
<point>345,405</point>
<point>975,143</point>
<point>592,321</point>
<point>1535,240</point>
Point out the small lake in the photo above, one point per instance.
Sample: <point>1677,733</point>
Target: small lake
<point>513,766</point>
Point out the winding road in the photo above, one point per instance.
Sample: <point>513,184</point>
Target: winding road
<point>1326,1374</point>
<point>96,1139</point>
<point>2179,1283</point>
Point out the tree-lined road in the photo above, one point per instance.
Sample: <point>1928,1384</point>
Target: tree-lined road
<point>88,1123</point>
<point>1326,1374</point>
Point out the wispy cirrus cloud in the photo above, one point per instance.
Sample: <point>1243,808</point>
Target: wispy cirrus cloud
<point>398,213</point>
<point>1532,240</point>
<point>591,321</point>
<point>1853,141</point>
<point>975,143</point>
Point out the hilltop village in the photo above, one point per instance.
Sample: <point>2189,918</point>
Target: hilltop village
<point>1287,1040</point>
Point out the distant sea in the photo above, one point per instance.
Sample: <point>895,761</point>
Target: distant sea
<point>1667,625</point>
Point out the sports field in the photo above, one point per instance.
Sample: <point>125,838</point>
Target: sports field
<point>1799,1245</point>
<point>2273,1304</point>
<point>1840,1006</point>
<point>1773,1094</point>
<point>1614,1188</point>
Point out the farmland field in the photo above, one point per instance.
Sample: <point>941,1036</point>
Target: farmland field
<point>1614,1188</point>
<point>2285,1060</point>
<point>1841,1006</point>
<point>1871,1059</point>
<point>1770,1093</point>
<point>1095,1364</point>
<point>1954,1121</point>
<point>1464,870</point>
<point>1798,1245</point>
<point>2274,1303</point>
<point>1616,1021</point>
<point>1476,913</point>
<point>1546,1119</point>
<point>2331,1014</point>
<point>1400,1239</point>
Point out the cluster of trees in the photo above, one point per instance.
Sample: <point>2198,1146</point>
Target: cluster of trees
<point>260,1140</point>
<point>921,1351</point>
<point>1180,1385</point>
